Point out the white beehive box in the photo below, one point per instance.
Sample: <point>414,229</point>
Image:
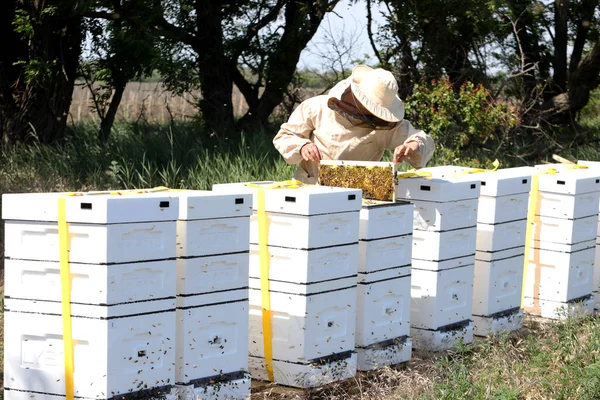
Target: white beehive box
<point>444,264</point>
<point>382,308</point>
<point>91,243</point>
<point>441,298</point>
<point>205,204</point>
<point>442,339</point>
<point>502,182</point>
<point>167,393</point>
<point>207,237</point>
<point>437,189</point>
<point>90,283</point>
<point>211,340</point>
<point>306,200</point>
<point>305,326</point>
<point>558,310</point>
<point>385,219</point>
<point>308,232</point>
<point>509,321</point>
<point>558,276</point>
<point>380,254</point>
<point>437,246</point>
<point>507,235</point>
<point>568,181</point>
<point>499,255</point>
<point>306,375</point>
<point>307,266</point>
<point>596,279</point>
<point>497,210</point>
<point>203,275</point>
<point>390,352</point>
<point>497,285</point>
<point>568,206</point>
<point>117,355</point>
<point>449,215</point>
<point>223,387</point>
<point>565,231</point>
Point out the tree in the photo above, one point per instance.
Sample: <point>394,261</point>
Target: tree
<point>39,55</point>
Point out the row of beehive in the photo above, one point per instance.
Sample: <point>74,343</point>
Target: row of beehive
<point>382,283</point>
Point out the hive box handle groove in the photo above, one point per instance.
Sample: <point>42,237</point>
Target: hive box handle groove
<point>239,201</point>
<point>164,204</point>
<point>291,199</point>
<point>351,197</point>
<point>560,182</point>
<point>86,206</point>
<point>425,188</point>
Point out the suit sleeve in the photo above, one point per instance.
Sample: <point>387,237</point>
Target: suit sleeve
<point>405,133</point>
<point>295,133</point>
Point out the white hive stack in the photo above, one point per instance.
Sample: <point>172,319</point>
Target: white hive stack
<point>501,229</point>
<point>561,259</point>
<point>212,295</point>
<point>445,230</point>
<point>596,280</point>
<point>122,268</point>
<point>383,302</point>
<point>313,247</point>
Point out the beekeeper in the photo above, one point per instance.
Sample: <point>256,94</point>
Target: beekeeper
<point>357,120</point>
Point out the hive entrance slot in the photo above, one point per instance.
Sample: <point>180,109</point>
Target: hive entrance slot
<point>239,201</point>
<point>164,204</point>
<point>215,340</point>
<point>142,353</point>
<point>330,324</point>
<point>390,310</point>
<point>86,206</point>
<point>290,199</point>
<point>454,296</point>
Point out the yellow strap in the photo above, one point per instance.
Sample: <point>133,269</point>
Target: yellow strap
<point>65,283</point>
<point>414,173</point>
<point>265,263</point>
<point>291,184</point>
<point>533,200</point>
<point>496,164</point>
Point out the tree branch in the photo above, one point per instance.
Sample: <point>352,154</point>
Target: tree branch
<point>370,34</point>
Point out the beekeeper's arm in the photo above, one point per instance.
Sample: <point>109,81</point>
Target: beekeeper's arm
<point>411,145</point>
<point>295,134</point>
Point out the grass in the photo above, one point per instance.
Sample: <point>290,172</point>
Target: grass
<point>542,361</point>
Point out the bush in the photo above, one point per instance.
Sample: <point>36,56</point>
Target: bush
<point>467,120</point>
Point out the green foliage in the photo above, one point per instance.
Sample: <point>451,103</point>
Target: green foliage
<point>459,121</point>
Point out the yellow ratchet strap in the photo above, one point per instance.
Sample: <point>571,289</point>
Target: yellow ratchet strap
<point>265,264</point>
<point>65,283</point>
<point>413,173</point>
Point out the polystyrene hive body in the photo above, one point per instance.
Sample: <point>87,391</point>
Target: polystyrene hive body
<point>444,216</point>
<point>442,339</point>
<point>559,310</point>
<point>439,246</point>
<point>565,231</point>
<point>497,210</point>
<point>510,320</point>
<point>390,352</point>
<point>497,286</point>
<point>385,219</point>
<point>441,298</point>
<point>203,275</point>
<point>226,387</point>
<point>380,254</point>
<point>437,189</point>
<point>497,237</point>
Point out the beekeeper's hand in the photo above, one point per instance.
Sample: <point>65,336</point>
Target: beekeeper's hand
<point>404,150</point>
<point>310,152</point>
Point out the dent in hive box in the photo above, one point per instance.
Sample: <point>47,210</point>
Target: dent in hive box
<point>567,206</point>
<point>558,276</point>
<point>209,237</point>
<point>304,200</point>
<point>439,246</point>
<point>321,372</point>
<point>202,275</point>
<point>442,339</point>
<point>92,243</point>
<point>559,310</point>
<point>380,219</point>
<point>497,237</point>
<point>441,298</point>
<point>116,356</point>
<point>308,232</point>
<point>91,284</point>
<point>450,215</point>
<point>390,352</point>
<point>305,327</point>
<point>383,308</point>
<point>497,285</point>
<point>379,254</point>
<point>211,340</point>
<point>377,180</point>
<point>497,210</point>
<point>307,266</point>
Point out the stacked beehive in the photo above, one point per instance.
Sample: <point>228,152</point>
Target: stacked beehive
<point>122,271</point>
<point>445,229</point>
<point>212,295</point>
<point>383,302</point>
<point>561,259</point>
<point>596,280</point>
<point>501,229</point>
<point>312,266</point>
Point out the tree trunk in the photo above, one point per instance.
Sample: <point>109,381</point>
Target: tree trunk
<point>302,19</point>
<point>38,106</point>
<point>216,80</point>
<point>109,118</point>
<point>561,39</point>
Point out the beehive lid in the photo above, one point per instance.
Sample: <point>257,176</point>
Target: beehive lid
<point>305,200</point>
<point>206,204</point>
<point>567,180</point>
<point>375,179</point>
<point>125,207</point>
<point>591,164</point>
<point>502,182</point>
<point>443,185</point>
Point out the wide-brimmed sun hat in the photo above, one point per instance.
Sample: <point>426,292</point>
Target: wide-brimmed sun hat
<point>377,90</point>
